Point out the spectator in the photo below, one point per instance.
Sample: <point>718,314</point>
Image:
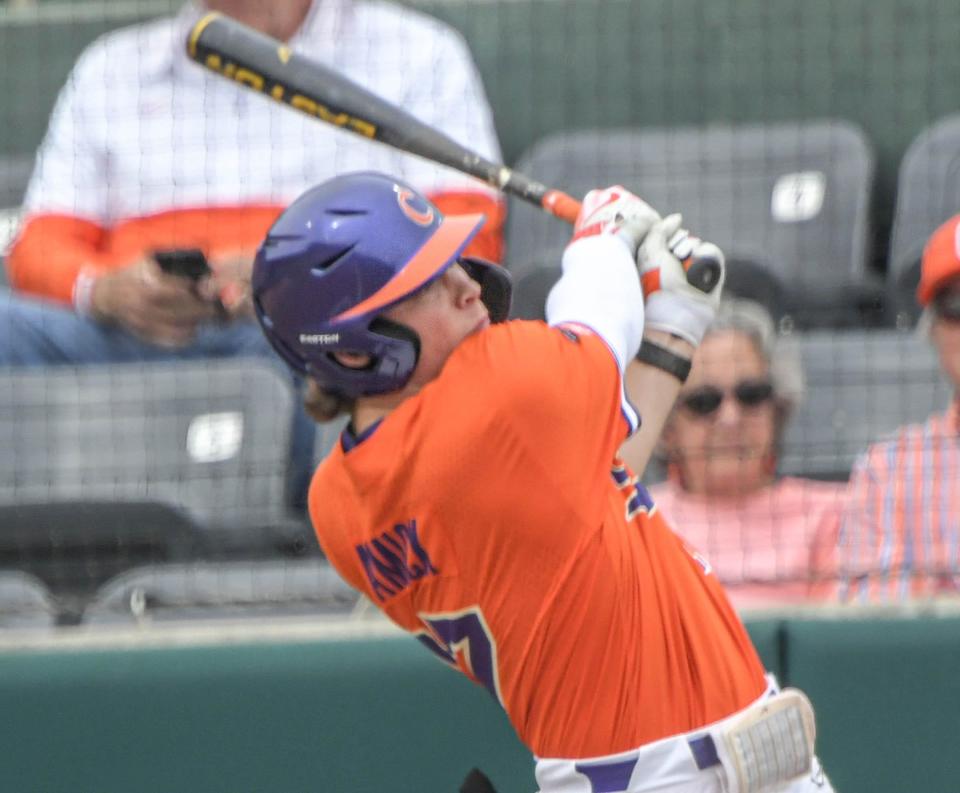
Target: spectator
<point>769,538</point>
<point>146,150</point>
<point>900,533</point>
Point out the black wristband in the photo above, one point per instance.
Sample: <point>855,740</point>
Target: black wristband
<point>655,355</point>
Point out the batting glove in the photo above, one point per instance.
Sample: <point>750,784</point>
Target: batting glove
<point>616,212</point>
<point>682,278</point>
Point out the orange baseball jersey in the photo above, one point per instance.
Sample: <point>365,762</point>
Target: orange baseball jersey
<point>489,516</point>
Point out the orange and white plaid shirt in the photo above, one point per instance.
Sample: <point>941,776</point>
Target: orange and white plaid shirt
<point>147,150</point>
<point>900,532</point>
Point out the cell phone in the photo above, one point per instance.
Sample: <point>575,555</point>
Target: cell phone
<point>185,262</point>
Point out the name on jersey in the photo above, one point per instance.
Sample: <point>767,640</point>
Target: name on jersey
<point>394,560</point>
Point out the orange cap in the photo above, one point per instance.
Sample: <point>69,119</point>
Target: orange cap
<point>941,260</point>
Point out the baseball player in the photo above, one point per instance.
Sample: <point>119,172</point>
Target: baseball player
<point>476,496</point>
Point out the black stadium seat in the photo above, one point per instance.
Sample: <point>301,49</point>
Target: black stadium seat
<point>211,437</point>
<point>860,387</point>
<point>25,602</point>
<point>792,199</point>
<point>73,547</point>
<point>222,590</point>
<point>928,194</point>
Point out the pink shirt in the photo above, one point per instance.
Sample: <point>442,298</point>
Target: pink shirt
<point>900,535</point>
<point>772,547</point>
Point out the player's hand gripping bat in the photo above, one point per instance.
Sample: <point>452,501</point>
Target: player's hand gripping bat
<point>268,66</point>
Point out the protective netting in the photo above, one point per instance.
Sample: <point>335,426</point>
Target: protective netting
<point>815,142</point>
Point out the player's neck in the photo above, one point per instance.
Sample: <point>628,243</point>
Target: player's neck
<point>369,410</point>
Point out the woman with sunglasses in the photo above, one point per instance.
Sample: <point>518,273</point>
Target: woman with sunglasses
<point>900,534</point>
<point>769,539</point>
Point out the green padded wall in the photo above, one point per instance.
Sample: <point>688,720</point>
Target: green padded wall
<point>887,696</point>
<point>358,715</point>
<point>381,714</point>
<point>767,636</point>
<point>375,715</point>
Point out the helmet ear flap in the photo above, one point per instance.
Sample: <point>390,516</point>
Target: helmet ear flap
<point>496,286</point>
<point>402,358</point>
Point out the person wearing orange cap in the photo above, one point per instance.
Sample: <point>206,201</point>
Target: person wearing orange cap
<point>900,533</point>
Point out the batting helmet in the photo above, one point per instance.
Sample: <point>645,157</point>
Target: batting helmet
<point>343,253</point>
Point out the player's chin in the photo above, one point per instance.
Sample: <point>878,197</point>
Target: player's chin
<point>482,324</point>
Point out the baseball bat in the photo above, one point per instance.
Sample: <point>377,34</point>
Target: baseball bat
<point>263,64</point>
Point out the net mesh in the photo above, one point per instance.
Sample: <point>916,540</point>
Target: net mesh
<point>814,141</point>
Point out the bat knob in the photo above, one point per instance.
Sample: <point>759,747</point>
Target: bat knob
<point>704,273</point>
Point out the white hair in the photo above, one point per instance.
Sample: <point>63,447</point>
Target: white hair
<point>779,352</point>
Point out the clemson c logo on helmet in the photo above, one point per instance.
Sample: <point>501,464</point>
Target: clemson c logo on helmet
<point>421,218</point>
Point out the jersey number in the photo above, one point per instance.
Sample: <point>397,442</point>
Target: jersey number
<point>463,640</point>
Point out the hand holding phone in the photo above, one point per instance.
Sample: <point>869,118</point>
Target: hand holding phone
<point>184,262</point>
<point>188,263</point>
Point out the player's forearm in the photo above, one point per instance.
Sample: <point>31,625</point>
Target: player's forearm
<point>653,392</point>
<point>600,289</point>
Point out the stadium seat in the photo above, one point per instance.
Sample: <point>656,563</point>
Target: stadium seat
<point>790,199</point>
<point>928,193</point>
<point>25,602</point>
<point>860,387</point>
<point>211,437</point>
<point>222,590</point>
<point>75,546</point>
<point>745,279</point>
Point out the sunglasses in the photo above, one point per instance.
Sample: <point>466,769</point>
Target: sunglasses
<point>706,399</point>
<point>946,305</point>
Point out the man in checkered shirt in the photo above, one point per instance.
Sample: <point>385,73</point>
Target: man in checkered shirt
<point>900,536</point>
<point>148,151</point>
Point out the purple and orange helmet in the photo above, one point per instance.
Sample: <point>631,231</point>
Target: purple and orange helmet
<point>343,253</point>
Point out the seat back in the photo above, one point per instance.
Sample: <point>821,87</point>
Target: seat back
<point>928,194</point>
<point>222,590</point>
<point>25,602</point>
<point>792,198</point>
<point>73,547</point>
<point>211,437</point>
<point>860,387</point>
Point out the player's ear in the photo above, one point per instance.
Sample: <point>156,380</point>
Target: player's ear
<point>352,360</point>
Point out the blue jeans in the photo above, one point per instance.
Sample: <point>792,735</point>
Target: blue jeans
<point>40,333</point>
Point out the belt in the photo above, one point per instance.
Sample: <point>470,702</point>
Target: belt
<point>671,760</point>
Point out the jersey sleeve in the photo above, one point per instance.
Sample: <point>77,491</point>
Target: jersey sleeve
<point>599,289</point>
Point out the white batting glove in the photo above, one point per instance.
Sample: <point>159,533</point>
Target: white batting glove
<point>682,278</point>
<point>617,212</point>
